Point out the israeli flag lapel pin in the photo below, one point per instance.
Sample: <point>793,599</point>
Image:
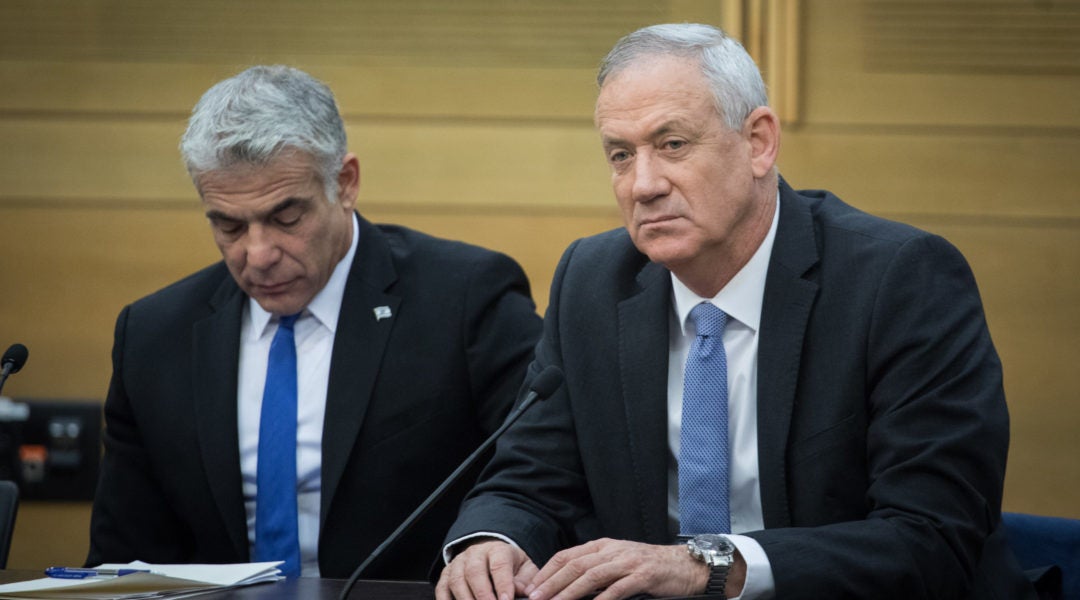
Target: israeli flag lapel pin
<point>382,312</point>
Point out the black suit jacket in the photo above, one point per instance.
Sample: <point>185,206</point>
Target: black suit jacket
<point>882,426</point>
<point>408,398</point>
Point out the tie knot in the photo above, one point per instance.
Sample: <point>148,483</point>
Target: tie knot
<point>708,319</point>
<point>287,321</point>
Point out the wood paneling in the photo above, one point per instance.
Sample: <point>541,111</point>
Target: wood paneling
<point>468,132</point>
<point>967,36</point>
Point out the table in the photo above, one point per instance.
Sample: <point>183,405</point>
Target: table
<point>304,588</point>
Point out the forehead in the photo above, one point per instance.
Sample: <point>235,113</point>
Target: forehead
<point>281,176</point>
<point>653,90</point>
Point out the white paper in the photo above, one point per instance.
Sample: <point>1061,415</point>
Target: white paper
<point>163,581</point>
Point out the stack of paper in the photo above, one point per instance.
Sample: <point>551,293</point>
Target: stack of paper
<point>163,581</point>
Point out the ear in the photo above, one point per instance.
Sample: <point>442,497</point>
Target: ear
<point>762,129</point>
<point>349,181</point>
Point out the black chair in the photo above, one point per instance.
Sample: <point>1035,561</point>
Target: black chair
<point>1048,549</point>
<point>9,505</point>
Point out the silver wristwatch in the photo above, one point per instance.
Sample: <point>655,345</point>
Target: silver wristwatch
<point>716,551</point>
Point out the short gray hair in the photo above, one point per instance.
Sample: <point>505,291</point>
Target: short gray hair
<point>733,76</point>
<point>255,116</point>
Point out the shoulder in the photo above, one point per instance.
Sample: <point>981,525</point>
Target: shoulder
<point>835,218</point>
<point>608,254</point>
<point>413,248</point>
<point>850,238</point>
<point>187,297</point>
<point>420,263</point>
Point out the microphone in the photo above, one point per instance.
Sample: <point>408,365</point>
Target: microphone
<point>13,360</point>
<point>541,388</point>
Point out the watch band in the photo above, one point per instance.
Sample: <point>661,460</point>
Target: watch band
<point>717,581</point>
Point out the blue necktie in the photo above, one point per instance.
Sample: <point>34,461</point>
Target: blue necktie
<point>703,449</point>
<point>276,535</point>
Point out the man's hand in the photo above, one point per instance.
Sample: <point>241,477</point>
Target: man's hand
<point>621,569</point>
<point>486,570</point>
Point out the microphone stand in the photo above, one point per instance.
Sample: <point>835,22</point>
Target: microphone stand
<point>543,386</point>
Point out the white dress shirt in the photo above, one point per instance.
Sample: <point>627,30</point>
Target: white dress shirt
<point>314,335</point>
<point>741,299</point>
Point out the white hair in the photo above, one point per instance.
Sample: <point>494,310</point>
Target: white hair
<point>733,76</point>
<point>255,116</point>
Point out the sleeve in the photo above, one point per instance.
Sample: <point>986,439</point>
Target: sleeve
<point>534,487</point>
<point>501,328</point>
<point>936,442</point>
<point>131,518</point>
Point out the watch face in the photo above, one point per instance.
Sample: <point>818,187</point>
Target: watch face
<point>711,543</point>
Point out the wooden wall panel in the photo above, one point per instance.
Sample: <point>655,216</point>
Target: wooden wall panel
<point>436,162</point>
<point>969,172</point>
<point>846,45</point>
<point>469,133</point>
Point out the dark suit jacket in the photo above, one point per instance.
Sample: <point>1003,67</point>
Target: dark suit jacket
<point>882,427</point>
<point>409,397</point>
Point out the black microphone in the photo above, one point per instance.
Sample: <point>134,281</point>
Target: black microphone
<point>13,360</point>
<point>541,388</point>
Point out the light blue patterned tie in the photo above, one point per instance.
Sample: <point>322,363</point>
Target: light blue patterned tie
<point>704,447</point>
<point>276,534</point>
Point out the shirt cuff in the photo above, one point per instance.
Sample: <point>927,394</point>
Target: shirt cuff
<point>759,584</point>
<point>450,549</point>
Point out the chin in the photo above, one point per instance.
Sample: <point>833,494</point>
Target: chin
<point>665,254</point>
<point>279,306</point>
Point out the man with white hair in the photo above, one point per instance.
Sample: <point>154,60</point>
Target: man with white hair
<point>299,399</point>
<point>803,396</point>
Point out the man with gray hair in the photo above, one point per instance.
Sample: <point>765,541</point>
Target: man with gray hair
<point>768,394</point>
<point>297,400</point>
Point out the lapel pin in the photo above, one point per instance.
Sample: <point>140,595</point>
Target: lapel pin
<point>382,312</point>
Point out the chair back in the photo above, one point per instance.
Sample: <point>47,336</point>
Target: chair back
<point>1048,548</point>
<point>9,505</point>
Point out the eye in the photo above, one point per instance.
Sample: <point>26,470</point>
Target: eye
<point>617,156</point>
<point>289,217</point>
<point>227,226</point>
<point>675,144</point>
<point>288,221</point>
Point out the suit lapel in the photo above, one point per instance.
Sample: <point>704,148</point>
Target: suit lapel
<point>784,316</point>
<point>216,348</point>
<point>643,364</point>
<point>359,344</point>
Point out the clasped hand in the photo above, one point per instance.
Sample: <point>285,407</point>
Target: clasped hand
<point>492,569</point>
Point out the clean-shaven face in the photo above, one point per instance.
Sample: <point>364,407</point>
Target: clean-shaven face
<point>279,235</point>
<point>683,180</point>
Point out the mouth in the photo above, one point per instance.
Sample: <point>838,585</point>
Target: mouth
<point>657,220</point>
<point>270,289</point>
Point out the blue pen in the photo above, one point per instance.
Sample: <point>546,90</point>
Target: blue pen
<point>78,573</point>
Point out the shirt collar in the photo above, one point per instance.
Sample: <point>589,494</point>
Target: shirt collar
<point>741,298</point>
<point>326,305</point>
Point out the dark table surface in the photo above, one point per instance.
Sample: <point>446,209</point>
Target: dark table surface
<point>295,589</point>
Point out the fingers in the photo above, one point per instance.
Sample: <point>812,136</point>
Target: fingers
<point>484,571</point>
<point>561,559</point>
<point>578,571</point>
<point>619,568</point>
<point>503,564</point>
<point>524,577</point>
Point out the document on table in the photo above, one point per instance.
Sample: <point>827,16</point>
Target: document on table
<point>163,581</point>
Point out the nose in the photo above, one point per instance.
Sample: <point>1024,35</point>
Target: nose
<point>262,250</point>
<point>650,181</point>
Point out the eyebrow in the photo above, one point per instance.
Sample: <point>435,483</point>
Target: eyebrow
<point>665,128</point>
<point>217,215</point>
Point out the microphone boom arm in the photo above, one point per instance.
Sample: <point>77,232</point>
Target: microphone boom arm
<point>543,386</point>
